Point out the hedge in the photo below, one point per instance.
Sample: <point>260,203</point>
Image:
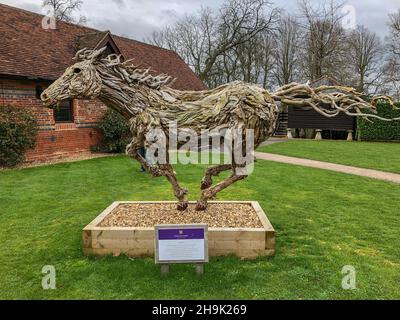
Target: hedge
<point>117,134</point>
<point>18,131</point>
<point>380,130</point>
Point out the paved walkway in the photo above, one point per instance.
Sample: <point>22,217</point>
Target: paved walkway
<point>271,141</point>
<point>374,174</point>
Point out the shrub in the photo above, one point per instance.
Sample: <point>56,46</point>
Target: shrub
<point>116,131</point>
<point>18,131</point>
<point>380,130</point>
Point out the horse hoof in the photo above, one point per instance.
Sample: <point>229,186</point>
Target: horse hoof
<point>182,206</point>
<point>201,206</point>
<point>206,184</point>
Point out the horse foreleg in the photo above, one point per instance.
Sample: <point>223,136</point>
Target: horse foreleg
<point>180,193</point>
<point>155,171</point>
<point>168,172</point>
<point>213,172</point>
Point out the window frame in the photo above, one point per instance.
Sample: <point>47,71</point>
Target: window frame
<point>71,112</point>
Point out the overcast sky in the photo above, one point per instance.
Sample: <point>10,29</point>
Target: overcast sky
<point>137,19</point>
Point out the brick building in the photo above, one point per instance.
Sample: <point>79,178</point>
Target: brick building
<point>31,58</point>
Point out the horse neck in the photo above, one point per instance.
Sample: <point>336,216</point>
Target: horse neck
<point>117,94</point>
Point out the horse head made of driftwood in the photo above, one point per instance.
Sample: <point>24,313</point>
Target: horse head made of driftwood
<point>118,84</point>
<point>80,81</point>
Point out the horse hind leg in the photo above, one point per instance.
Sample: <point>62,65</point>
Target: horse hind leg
<point>210,193</point>
<point>211,172</point>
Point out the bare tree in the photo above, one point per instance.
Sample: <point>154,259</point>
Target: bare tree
<point>206,41</point>
<point>392,78</point>
<point>395,22</point>
<point>267,61</point>
<point>193,37</point>
<point>241,21</point>
<point>324,39</point>
<point>229,68</point>
<point>64,9</point>
<point>395,33</point>
<point>392,66</point>
<point>250,40</point>
<point>249,59</point>
<point>365,57</point>
<point>287,44</point>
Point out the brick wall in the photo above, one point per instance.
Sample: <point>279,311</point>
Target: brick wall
<point>55,140</point>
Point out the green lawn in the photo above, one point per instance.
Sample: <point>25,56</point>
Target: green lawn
<point>379,156</point>
<point>324,221</point>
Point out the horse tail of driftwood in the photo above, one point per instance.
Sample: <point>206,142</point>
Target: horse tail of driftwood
<point>330,101</point>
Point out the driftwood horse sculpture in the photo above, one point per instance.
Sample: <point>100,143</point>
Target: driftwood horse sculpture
<point>149,103</point>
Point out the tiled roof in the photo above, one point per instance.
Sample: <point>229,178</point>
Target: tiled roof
<point>28,50</point>
<point>325,80</point>
<point>90,40</point>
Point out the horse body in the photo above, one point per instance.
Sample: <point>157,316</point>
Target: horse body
<point>237,105</point>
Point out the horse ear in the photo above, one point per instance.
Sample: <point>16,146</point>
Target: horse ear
<point>85,54</point>
<point>96,54</point>
<point>80,55</point>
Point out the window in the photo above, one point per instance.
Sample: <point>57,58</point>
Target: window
<point>108,51</point>
<point>64,113</point>
<point>38,91</point>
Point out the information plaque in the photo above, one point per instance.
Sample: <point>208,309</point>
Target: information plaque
<point>181,244</point>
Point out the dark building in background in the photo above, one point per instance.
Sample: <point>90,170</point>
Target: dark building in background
<point>339,126</point>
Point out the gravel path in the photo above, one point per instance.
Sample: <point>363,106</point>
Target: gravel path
<point>374,174</point>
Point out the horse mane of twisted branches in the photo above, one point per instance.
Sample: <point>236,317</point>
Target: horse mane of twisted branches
<point>150,103</point>
<point>127,71</point>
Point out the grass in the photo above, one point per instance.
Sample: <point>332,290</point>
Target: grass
<point>379,156</point>
<point>324,221</point>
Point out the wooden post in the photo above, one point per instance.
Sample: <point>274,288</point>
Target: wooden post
<point>319,135</point>
<point>164,270</point>
<point>289,134</point>
<point>200,269</point>
<point>350,135</point>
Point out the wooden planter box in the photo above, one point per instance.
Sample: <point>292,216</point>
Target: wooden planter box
<point>139,242</point>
